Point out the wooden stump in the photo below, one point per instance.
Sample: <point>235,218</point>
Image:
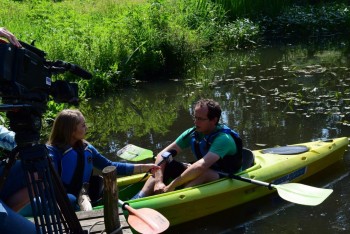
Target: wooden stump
<point>110,200</point>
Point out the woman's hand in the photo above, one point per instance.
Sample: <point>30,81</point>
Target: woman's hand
<point>143,168</point>
<point>152,168</point>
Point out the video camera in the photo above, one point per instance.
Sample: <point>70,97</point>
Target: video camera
<point>25,87</point>
<point>25,76</point>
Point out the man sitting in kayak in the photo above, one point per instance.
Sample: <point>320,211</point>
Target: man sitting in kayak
<point>216,147</point>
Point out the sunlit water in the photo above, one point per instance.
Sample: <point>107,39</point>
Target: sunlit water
<point>272,96</point>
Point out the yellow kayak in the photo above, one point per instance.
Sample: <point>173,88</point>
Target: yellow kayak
<point>276,168</point>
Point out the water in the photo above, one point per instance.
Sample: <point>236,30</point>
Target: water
<point>278,95</point>
<point>274,215</point>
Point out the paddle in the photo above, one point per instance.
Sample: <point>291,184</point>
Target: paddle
<point>293,192</point>
<point>134,153</point>
<point>145,220</point>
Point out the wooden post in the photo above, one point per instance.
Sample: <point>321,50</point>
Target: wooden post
<point>110,200</point>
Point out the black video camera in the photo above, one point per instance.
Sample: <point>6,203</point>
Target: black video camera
<point>25,76</point>
<point>25,87</point>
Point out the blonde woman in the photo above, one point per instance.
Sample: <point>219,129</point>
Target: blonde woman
<point>74,158</point>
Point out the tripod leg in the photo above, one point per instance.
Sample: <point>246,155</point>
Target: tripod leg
<point>49,201</point>
<point>64,203</point>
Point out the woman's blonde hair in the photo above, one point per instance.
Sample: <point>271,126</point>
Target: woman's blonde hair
<point>63,127</point>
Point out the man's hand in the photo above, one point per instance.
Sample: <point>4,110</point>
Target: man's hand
<point>9,36</point>
<point>169,188</point>
<point>159,187</point>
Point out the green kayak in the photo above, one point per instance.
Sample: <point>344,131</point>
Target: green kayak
<point>276,168</point>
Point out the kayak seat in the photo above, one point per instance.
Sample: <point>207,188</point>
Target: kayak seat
<point>248,158</point>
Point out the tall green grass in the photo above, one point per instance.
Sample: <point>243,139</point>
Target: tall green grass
<point>121,41</point>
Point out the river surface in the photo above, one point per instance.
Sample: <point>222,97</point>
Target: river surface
<point>276,95</point>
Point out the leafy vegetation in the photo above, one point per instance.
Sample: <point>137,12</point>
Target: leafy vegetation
<point>124,41</point>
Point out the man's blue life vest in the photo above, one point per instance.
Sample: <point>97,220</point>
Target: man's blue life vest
<point>74,166</point>
<point>229,163</point>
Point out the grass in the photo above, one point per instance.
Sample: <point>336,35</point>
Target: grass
<point>121,41</point>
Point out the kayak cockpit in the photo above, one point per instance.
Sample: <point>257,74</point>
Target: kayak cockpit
<point>248,159</point>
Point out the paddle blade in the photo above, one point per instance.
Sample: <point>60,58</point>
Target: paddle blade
<point>134,153</point>
<point>146,220</point>
<point>302,194</point>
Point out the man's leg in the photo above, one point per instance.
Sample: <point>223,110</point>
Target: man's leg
<point>208,176</point>
<point>147,189</point>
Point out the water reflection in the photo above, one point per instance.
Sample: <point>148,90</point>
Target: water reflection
<point>279,108</point>
<point>272,96</point>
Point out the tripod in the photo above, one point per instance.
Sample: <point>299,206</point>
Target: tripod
<point>50,205</point>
